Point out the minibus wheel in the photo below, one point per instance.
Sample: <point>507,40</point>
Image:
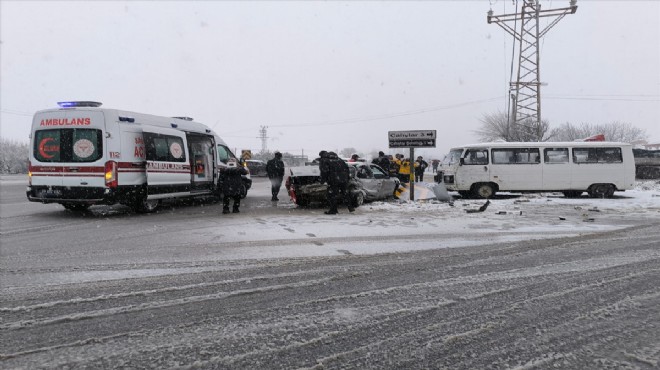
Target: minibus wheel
<point>483,190</point>
<point>601,191</point>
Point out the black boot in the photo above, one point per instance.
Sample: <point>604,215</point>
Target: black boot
<point>225,210</point>
<point>235,210</point>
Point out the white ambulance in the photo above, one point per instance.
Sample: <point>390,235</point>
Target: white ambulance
<point>83,155</point>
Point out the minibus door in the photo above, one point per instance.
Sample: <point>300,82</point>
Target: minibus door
<point>474,168</point>
<point>168,165</point>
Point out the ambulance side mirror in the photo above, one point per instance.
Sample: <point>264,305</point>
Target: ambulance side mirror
<point>461,161</point>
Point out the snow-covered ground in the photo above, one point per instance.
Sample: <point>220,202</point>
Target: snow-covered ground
<point>382,227</point>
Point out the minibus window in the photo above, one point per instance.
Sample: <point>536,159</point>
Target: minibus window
<point>597,155</point>
<point>476,156</point>
<point>516,156</point>
<point>453,157</point>
<point>555,155</point>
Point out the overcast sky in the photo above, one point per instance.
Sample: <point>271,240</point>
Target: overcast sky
<point>324,75</point>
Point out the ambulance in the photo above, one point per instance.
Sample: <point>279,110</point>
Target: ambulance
<point>83,155</point>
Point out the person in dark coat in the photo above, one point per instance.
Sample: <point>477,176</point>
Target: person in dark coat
<point>336,173</point>
<point>232,185</point>
<point>323,166</point>
<point>275,171</point>
<point>420,167</point>
<point>383,161</point>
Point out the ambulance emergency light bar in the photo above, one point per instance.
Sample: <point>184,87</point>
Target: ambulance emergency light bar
<point>74,104</point>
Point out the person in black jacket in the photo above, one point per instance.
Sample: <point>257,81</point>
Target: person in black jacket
<point>383,161</point>
<point>232,185</point>
<point>335,172</point>
<point>420,167</point>
<point>275,171</point>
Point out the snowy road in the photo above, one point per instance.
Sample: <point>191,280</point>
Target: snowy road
<point>391,286</point>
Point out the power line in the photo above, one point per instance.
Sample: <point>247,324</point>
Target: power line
<point>16,112</point>
<point>390,115</point>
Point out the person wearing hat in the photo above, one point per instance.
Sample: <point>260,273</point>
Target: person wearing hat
<point>275,171</point>
<point>354,158</point>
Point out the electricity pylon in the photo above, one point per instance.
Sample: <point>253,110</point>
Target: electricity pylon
<point>526,90</point>
<point>264,138</point>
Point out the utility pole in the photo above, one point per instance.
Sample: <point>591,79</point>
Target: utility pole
<point>264,138</point>
<point>525,91</point>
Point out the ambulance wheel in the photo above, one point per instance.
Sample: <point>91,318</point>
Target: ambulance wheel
<point>76,207</point>
<point>146,205</point>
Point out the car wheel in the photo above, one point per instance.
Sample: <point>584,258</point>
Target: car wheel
<point>483,190</point>
<point>358,199</point>
<point>303,202</point>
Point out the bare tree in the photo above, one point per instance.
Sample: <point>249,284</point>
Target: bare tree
<point>613,131</point>
<point>13,156</point>
<point>496,126</point>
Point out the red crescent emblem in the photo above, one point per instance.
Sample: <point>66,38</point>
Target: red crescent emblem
<point>41,148</point>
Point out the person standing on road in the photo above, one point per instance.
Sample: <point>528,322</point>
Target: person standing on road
<point>335,172</point>
<point>404,170</point>
<point>383,161</point>
<point>435,164</point>
<point>420,166</point>
<point>232,185</point>
<point>275,171</point>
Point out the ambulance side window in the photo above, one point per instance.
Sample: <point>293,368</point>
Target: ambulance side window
<point>224,154</point>
<point>164,148</point>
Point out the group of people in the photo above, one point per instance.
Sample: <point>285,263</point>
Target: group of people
<point>232,182</point>
<point>399,166</point>
<point>334,172</point>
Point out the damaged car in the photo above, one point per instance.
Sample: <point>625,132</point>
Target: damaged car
<point>367,182</point>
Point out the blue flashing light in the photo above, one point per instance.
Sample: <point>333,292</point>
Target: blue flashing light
<point>126,119</point>
<point>174,125</point>
<point>74,104</point>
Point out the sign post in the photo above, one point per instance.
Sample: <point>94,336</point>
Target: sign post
<point>412,139</point>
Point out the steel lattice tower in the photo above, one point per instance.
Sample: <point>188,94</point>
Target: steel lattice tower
<point>526,89</point>
<point>263,135</point>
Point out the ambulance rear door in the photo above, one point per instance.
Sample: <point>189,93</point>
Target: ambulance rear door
<point>168,165</point>
<point>68,149</point>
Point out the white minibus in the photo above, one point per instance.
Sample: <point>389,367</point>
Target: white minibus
<point>481,170</point>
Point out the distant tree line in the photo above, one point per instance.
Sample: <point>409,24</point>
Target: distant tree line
<point>496,127</point>
<point>13,156</point>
